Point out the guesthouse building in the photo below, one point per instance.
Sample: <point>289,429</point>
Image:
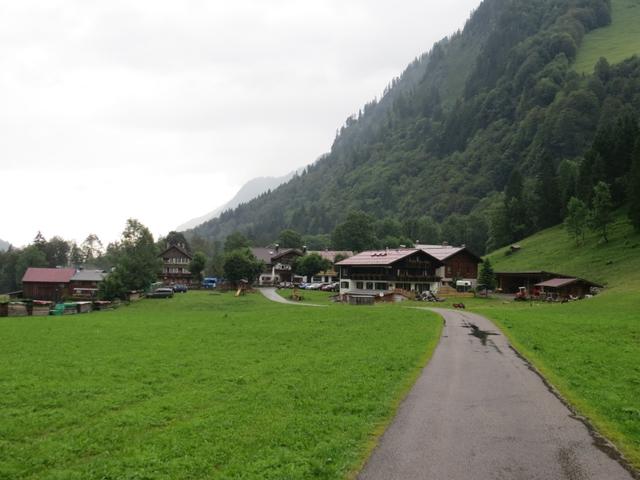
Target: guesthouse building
<point>459,265</point>
<point>380,272</point>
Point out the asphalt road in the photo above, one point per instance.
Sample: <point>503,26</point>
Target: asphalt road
<point>478,412</point>
<point>272,295</point>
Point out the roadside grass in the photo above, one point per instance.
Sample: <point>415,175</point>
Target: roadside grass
<point>203,386</point>
<point>589,350</point>
<point>616,42</point>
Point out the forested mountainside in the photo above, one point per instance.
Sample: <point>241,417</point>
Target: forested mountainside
<point>247,192</point>
<point>495,104</point>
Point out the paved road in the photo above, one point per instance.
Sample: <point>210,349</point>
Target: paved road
<point>479,413</point>
<point>272,295</point>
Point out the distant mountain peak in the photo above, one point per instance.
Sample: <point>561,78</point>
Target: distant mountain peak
<point>250,190</point>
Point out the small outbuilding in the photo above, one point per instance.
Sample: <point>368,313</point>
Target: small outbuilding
<point>47,283</point>
<point>511,282</point>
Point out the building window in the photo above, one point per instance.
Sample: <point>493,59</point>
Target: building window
<point>369,285</point>
<point>344,285</point>
<point>359,285</point>
<point>381,286</point>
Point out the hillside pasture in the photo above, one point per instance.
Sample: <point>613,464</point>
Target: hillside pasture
<point>615,42</point>
<point>204,386</point>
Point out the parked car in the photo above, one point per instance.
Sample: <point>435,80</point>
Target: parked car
<point>314,286</point>
<point>180,288</point>
<point>162,292</point>
<point>209,282</point>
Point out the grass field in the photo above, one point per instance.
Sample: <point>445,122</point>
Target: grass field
<point>589,350</point>
<point>204,386</point>
<point>616,42</point>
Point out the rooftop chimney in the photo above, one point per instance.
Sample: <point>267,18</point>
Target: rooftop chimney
<point>445,244</point>
<point>277,247</point>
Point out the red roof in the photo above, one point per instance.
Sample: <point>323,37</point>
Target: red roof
<point>49,275</point>
<point>380,257</point>
<point>562,282</point>
<point>442,252</point>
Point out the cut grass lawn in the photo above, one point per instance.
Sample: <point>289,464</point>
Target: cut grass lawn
<point>589,350</point>
<point>615,42</point>
<point>204,386</point>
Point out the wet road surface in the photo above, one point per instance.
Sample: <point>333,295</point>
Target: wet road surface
<point>478,412</point>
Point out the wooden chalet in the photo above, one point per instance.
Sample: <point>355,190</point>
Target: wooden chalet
<point>278,264</point>
<point>52,284</point>
<point>380,272</point>
<point>175,265</point>
<point>459,264</point>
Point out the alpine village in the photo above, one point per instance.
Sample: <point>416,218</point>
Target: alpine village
<point>452,291</point>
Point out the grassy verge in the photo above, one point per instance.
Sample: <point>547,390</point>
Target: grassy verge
<point>590,351</point>
<point>203,386</point>
<point>308,296</point>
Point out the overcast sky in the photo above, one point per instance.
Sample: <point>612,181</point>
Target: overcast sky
<point>161,110</point>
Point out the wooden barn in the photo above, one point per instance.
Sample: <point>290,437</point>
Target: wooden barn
<point>47,283</point>
<point>510,282</point>
<point>566,288</point>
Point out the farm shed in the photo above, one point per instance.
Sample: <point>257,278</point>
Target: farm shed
<point>85,283</point>
<point>510,282</point>
<point>47,283</point>
<point>567,287</point>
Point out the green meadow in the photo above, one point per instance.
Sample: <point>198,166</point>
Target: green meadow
<point>615,42</point>
<point>204,386</point>
<point>589,350</point>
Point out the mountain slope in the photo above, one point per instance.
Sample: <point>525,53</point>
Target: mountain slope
<point>615,264</point>
<point>247,192</point>
<point>3,245</point>
<point>444,139</point>
<point>614,42</point>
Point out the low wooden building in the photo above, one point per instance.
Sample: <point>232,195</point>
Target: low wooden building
<point>175,266</point>
<point>47,283</point>
<point>381,272</point>
<point>566,288</point>
<point>85,283</point>
<point>510,282</point>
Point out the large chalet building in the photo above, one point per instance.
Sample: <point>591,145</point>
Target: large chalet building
<point>175,265</point>
<point>380,271</point>
<point>418,269</point>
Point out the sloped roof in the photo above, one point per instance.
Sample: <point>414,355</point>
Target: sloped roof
<point>180,249</point>
<point>268,255</point>
<point>442,252</point>
<point>88,276</point>
<point>49,275</point>
<point>381,257</point>
<point>563,282</point>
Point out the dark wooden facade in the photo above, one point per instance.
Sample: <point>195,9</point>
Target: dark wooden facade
<point>175,266</point>
<point>462,265</point>
<point>53,292</point>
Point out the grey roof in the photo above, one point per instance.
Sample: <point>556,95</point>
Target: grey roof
<point>88,276</point>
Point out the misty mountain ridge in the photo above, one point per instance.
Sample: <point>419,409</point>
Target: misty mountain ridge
<point>247,192</point>
<point>441,145</point>
<point>4,246</point>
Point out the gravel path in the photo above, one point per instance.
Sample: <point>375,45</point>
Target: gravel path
<point>479,412</point>
<point>272,295</point>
